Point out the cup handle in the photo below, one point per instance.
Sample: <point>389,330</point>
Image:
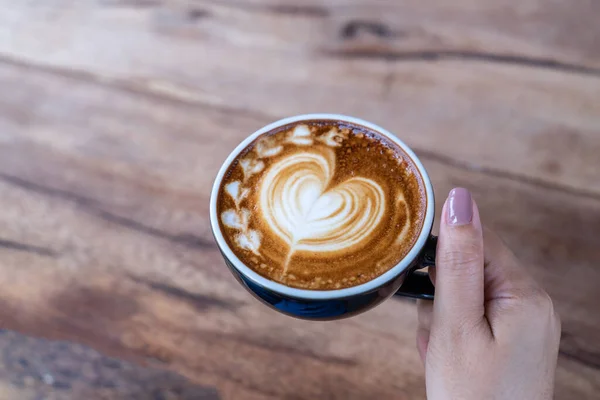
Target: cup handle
<point>417,283</point>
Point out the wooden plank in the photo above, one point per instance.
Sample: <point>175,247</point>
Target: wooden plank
<point>555,32</point>
<point>496,86</point>
<point>33,369</point>
<point>105,241</point>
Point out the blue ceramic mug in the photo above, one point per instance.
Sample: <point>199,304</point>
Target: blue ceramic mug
<point>403,279</point>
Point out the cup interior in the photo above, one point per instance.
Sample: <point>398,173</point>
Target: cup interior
<point>307,294</point>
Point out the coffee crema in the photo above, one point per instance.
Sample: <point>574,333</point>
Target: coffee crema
<point>321,205</point>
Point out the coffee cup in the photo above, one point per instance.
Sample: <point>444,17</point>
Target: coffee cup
<point>404,278</point>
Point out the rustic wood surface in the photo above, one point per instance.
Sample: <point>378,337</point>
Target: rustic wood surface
<point>35,369</point>
<point>116,114</point>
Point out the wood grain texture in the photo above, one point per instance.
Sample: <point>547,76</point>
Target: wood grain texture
<point>32,369</point>
<point>505,80</point>
<point>115,116</point>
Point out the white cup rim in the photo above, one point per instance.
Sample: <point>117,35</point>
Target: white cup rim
<point>366,287</point>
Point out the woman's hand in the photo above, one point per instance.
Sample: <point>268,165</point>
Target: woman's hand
<point>491,332</point>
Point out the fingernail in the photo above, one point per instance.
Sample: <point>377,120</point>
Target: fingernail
<point>460,207</point>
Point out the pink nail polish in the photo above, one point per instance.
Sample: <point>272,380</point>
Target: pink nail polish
<point>460,207</point>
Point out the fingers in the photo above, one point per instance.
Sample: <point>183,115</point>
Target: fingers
<point>425,315</point>
<point>505,277</point>
<point>459,275</point>
<point>422,343</point>
<point>431,271</point>
<point>513,297</point>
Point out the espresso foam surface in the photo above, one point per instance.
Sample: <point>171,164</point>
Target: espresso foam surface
<point>321,205</point>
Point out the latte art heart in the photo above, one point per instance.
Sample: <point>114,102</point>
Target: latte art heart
<point>299,205</point>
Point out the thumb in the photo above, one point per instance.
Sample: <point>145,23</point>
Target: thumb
<point>459,296</point>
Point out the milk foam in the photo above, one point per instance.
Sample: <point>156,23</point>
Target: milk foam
<point>298,204</point>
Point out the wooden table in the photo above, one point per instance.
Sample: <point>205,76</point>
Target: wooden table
<point>116,114</point>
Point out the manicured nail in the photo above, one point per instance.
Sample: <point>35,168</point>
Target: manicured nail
<point>460,207</point>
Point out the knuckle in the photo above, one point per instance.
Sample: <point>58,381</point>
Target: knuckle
<point>541,301</point>
<point>539,306</point>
